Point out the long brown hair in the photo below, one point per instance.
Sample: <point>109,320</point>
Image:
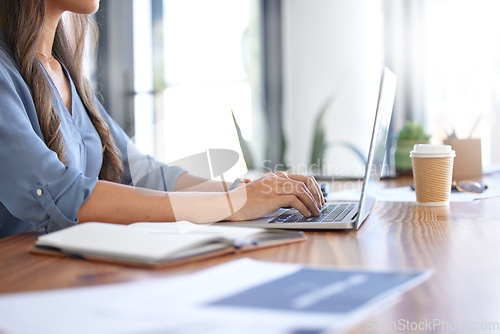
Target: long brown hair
<point>22,22</point>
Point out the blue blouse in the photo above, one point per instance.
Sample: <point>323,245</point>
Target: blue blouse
<point>36,189</point>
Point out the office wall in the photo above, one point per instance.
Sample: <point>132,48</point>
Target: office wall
<point>331,47</point>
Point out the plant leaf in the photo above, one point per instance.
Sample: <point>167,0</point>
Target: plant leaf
<point>319,138</point>
<point>245,149</point>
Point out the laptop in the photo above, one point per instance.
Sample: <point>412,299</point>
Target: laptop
<point>345,215</point>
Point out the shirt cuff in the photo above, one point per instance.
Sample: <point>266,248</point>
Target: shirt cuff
<point>62,211</point>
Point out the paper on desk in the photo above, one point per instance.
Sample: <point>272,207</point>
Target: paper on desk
<point>242,296</point>
<point>405,194</point>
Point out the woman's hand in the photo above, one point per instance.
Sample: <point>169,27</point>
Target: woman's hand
<point>274,191</point>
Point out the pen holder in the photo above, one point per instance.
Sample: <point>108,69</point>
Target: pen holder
<point>468,160</point>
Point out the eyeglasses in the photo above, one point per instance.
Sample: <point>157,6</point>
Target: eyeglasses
<point>465,187</point>
<point>468,186</point>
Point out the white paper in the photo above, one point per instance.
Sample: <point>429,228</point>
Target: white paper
<point>192,303</point>
<point>184,227</point>
<point>406,194</point>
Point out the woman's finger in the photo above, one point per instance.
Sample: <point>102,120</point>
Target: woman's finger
<point>313,186</point>
<point>311,183</point>
<point>299,190</point>
<point>293,202</point>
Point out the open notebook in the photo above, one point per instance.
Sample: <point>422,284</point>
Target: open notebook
<point>157,245</point>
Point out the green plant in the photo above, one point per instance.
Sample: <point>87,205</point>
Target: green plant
<point>245,149</point>
<point>320,144</point>
<point>319,140</point>
<point>413,131</point>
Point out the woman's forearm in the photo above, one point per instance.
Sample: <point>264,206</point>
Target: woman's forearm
<point>188,182</point>
<point>116,203</point>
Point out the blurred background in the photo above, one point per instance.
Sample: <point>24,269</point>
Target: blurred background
<point>173,73</point>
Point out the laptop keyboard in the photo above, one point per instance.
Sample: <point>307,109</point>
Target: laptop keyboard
<point>333,212</point>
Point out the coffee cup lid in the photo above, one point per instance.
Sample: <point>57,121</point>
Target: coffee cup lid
<point>432,151</point>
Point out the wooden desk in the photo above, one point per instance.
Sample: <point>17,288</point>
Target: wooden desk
<point>460,243</point>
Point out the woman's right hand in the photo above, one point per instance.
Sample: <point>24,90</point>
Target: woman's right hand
<point>274,191</point>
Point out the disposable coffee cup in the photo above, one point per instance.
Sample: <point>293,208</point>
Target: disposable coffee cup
<point>432,173</point>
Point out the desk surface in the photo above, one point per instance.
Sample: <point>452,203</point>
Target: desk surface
<point>460,243</point>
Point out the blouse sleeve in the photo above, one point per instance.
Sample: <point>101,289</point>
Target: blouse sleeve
<point>141,170</point>
<point>35,186</point>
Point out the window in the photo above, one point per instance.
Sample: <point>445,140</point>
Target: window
<point>195,61</point>
<point>447,58</point>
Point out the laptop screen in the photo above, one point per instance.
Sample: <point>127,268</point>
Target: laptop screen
<point>376,154</point>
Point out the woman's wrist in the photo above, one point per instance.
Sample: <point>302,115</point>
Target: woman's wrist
<point>205,207</point>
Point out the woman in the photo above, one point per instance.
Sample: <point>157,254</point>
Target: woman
<point>63,160</point>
